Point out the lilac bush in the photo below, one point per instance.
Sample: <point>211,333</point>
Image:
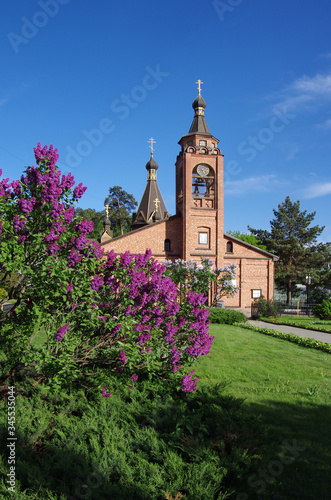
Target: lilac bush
<point>202,278</point>
<point>96,313</point>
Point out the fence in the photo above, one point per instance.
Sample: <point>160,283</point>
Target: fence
<point>295,308</point>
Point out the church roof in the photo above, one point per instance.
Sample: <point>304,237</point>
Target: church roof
<point>199,125</point>
<point>152,207</point>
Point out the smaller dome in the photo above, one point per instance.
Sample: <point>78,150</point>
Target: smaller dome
<point>199,102</point>
<point>152,164</point>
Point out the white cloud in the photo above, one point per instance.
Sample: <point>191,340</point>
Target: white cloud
<point>293,151</point>
<point>325,125</point>
<point>317,85</point>
<point>317,190</point>
<point>306,92</point>
<point>262,183</point>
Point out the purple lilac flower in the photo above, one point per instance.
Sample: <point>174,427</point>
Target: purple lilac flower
<point>123,359</point>
<point>21,239</point>
<point>188,384</point>
<point>52,248</point>
<point>79,191</point>
<point>69,214</point>
<point>16,186</point>
<point>105,393</point>
<point>18,224</point>
<point>73,258</point>
<point>67,181</point>
<point>43,153</point>
<point>81,242</point>
<point>61,331</point>
<point>84,226</point>
<point>116,329</point>
<point>96,283</point>
<point>126,259</point>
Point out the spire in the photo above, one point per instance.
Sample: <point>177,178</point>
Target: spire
<point>152,207</point>
<point>199,125</point>
<point>107,232</point>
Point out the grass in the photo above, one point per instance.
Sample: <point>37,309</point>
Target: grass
<point>310,323</point>
<point>263,434</point>
<point>289,386</point>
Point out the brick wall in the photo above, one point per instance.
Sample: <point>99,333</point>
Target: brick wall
<point>255,271</point>
<point>151,237</point>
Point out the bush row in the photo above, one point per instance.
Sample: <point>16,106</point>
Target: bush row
<point>291,337</point>
<point>226,316</point>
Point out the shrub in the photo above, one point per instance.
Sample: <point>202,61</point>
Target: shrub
<point>226,316</point>
<point>264,308</point>
<point>323,311</point>
<point>3,293</point>
<point>291,337</point>
<point>118,314</point>
<point>318,294</point>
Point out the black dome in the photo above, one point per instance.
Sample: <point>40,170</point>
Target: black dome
<point>152,164</point>
<point>199,102</point>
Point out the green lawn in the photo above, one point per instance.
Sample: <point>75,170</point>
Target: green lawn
<point>265,434</point>
<point>290,387</point>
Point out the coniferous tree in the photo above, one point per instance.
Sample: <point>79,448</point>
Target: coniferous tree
<point>293,240</point>
<point>121,205</point>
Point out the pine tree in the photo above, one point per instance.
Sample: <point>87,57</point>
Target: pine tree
<point>121,205</point>
<point>293,240</point>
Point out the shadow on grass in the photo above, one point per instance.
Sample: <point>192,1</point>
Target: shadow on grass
<point>204,444</point>
<point>299,465</point>
<point>137,446</point>
<point>46,470</point>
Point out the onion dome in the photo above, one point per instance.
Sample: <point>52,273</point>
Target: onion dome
<point>199,102</point>
<point>151,164</point>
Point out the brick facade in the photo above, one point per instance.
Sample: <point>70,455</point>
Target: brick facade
<point>197,229</point>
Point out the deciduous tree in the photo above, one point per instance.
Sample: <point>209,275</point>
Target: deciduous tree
<point>248,238</point>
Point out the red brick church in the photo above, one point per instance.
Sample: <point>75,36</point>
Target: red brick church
<point>197,228</point>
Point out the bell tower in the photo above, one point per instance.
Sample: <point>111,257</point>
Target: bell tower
<point>199,189</point>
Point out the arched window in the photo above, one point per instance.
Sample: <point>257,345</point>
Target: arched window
<point>167,245</point>
<point>229,247</point>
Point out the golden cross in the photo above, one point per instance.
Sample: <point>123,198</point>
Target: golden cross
<point>107,210</point>
<point>151,140</point>
<point>157,202</point>
<point>199,82</point>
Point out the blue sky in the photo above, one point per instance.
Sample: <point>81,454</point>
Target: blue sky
<point>98,79</point>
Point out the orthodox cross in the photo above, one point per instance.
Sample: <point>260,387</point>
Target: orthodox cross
<point>199,82</point>
<point>151,140</point>
<point>157,202</point>
<point>107,210</point>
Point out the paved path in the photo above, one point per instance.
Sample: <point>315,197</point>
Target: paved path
<point>302,332</point>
